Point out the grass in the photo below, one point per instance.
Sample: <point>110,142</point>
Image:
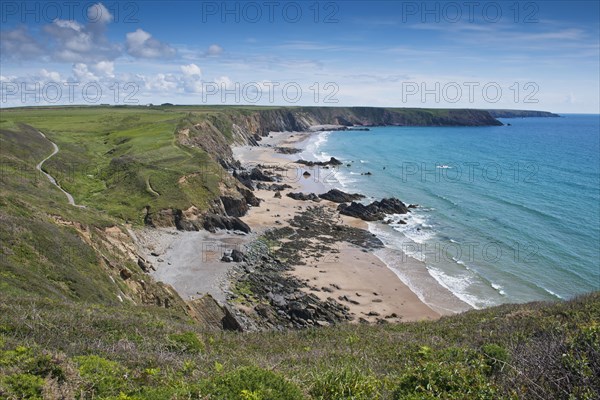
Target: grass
<point>160,351</point>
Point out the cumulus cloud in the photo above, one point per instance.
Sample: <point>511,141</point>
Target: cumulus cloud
<point>82,73</point>
<point>49,76</point>
<point>141,44</point>
<point>214,50</point>
<point>191,70</point>
<point>70,41</point>
<point>99,14</point>
<point>105,68</point>
<point>161,83</point>
<point>19,44</point>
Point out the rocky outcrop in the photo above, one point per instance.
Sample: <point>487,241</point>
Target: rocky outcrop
<point>287,150</point>
<point>332,162</point>
<point>234,207</point>
<point>275,187</point>
<point>337,196</point>
<point>212,316</point>
<point>304,196</point>
<point>213,222</point>
<point>375,211</point>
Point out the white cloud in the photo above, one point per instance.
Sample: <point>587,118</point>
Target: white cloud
<point>82,73</point>
<point>97,13</point>
<point>191,70</point>
<point>71,41</point>
<point>141,44</point>
<point>214,50</point>
<point>105,68</point>
<point>161,83</point>
<point>50,76</point>
<point>18,44</point>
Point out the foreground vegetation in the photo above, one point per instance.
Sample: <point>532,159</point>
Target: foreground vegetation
<point>75,322</point>
<point>55,350</point>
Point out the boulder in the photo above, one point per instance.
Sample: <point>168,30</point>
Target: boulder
<point>375,211</point>
<point>332,161</point>
<point>212,222</point>
<point>237,255</point>
<point>234,206</point>
<point>337,196</point>
<point>304,197</point>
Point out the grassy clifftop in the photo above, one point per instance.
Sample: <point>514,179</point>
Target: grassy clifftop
<point>67,350</point>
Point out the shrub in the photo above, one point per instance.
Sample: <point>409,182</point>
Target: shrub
<point>348,383</point>
<point>250,383</point>
<point>187,342</point>
<point>448,380</point>
<point>24,386</point>
<point>495,356</point>
<point>104,377</point>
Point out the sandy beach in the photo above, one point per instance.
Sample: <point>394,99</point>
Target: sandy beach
<point>355,278</point>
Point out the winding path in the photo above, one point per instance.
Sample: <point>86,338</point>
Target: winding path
<point>51,178</point>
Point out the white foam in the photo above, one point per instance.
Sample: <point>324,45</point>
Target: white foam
<point>498,288</point>
<point>457,285</point>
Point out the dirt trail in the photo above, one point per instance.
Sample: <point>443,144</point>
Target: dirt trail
<point>50,177</point>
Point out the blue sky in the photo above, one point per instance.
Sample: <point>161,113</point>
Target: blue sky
<point>485,54</point>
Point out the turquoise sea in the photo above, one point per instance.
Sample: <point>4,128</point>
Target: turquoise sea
<point>507,214</point>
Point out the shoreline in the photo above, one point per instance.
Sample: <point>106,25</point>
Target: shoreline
<point>362,280</point>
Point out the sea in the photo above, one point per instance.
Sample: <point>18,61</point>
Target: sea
<point>506,214</point>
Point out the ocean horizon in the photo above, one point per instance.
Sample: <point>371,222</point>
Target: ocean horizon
<point>506,214</point>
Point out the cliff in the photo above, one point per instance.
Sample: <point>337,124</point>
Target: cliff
<point>521,114</point>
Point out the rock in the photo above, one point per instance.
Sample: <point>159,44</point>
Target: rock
<point>273,187</point>
<point>332,161</point>
<point>257,175</point>
<point>212,222</point>
<point>143,264</point>
<point>155,254</point>
<point>234,207</point>
<point>287,150</point>
<point>366,173</point>
<point>358,210</point>
<point>226,258</point>
<point>304,197</point>
<point>373,314</point>
<point>306,174</point>
<point>277,194</point>
<point>125,274</point>
<point>337,196</point>
<point>237,255</point>
<point>375,211</point>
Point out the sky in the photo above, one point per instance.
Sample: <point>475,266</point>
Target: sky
<point>542,55</point>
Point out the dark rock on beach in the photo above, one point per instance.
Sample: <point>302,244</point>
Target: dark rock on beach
<point>375,211</point>
<point>304,196</point>
<point>212,222</point>
<point>287,150</point>
<point>332,161</point>
<point>337,196</point>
